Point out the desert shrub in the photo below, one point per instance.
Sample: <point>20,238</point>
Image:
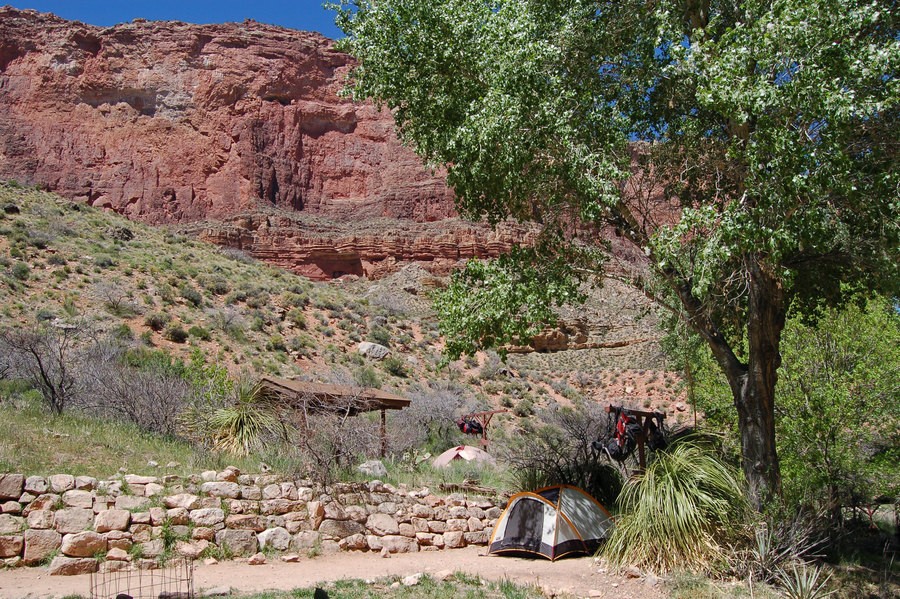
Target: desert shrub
<point>140,386</point>
<point>557,450</point>
<point>380,335</point>
<point>681,513</point>
<point>198,332</point>
<point>157,320</point>
<point>20,271</point>
<point>395,366</point>
<point>190,294</point>
<point>366,376</point>
<point>247,423</point>
<point>216,285</point>
<point>276,343</point>
<point>297,317</point>
<point>229,321</point>
<point>56,260</point>
<point>429,422</point>
<point>104,261</point>
<point>175,333</point>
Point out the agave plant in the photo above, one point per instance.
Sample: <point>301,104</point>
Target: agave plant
<point>805,583</point>
<point>242,426</point>
<point>679,514</point>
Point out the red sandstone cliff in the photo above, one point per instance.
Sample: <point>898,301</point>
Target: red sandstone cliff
<point>169,122</point>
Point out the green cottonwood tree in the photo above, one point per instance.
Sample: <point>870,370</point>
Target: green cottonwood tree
<point>747,150</point>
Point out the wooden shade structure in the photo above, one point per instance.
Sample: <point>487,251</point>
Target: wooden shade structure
<point>354,400</point>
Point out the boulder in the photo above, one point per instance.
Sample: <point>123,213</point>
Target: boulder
<point>376,351</point>
<point>40,519</point>
<point>372,468</point>
<point>191,549</point>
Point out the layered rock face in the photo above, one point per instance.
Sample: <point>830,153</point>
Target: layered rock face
<point>168,122</point>
<point>323,249</point>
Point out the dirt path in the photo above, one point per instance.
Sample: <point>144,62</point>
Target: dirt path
<point>579,577</point>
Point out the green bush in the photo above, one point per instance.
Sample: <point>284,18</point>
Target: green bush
<point>395,366</point>
<point>190,294</point>
<point>380,335</point>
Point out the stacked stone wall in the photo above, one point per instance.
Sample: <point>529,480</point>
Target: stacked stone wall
<point>79,524</point>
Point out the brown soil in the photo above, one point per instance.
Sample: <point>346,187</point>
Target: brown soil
<point>579,577</point>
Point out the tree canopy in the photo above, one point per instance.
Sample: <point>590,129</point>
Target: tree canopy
<point>746,150</point>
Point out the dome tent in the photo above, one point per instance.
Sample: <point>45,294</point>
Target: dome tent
<point>551,522</point>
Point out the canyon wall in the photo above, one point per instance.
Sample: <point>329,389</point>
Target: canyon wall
<point>168,122</point>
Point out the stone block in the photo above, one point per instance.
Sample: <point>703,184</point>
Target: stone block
<point>221,489</point>
<point>246,522</point>
<point>39,545</point>
<point>482,537</point>
<point>141,533</point>
<point>11,545</point>
<point>357,513</point>
<point>47,501</point>
<point>457,524</point>
<point>10,525</point>
<point>398,544</point>
<point>276,538</point>
<point>117,554</point>
<point>407,530</point>
<point>454,539</point>
<point>354,543</point>
<point>240,542</point>
<point>60,483</point>
<point>153,489</point>
<point>305,540</point>
<point>85,483</point>
<point>207,517</point>
<point>382,524</point>
<point>72,566</point>
<point>11,507</point>
<point>277,506</point>
<point>182,500</point>
<point>73,520</point>
<point>11,486</point>
<point>191,549</point>
<point>79,499</point>
<point>36,485</point>
<point>178,515</point>
<point>203,533</point>
<point>83,544</point>
<point>140,518</point>
<point>422,511</point>
<point>272,491</point>
<point>153,548</point>
<point>158,515</point>
<point>132,503</point>
<point>251,492</point>
<point>475,524</point>
<point>112,520</point>
<point>40,519</point>
<point>134,479</point>
<point>112,566</point>
<point>339,529</point>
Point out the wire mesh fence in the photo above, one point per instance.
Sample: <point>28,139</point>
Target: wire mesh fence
<point>173,581</point>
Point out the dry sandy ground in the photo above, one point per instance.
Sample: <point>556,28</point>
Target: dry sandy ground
<point>579,577</point>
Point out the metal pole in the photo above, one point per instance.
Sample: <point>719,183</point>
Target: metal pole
<point>383,433</point>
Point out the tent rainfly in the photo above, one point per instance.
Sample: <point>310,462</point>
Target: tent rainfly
<point>552,522</point>
<point>462,452</point>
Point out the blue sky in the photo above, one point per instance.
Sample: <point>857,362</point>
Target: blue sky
<point>307,15</point>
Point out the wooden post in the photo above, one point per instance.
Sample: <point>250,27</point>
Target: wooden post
<point>383,433</point>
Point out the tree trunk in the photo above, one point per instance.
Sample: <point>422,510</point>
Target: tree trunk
<point>754,390</point>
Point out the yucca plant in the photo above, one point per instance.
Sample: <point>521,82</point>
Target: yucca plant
<point>679,513</point>
<point>242,426</point>
<point>804,583</point>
